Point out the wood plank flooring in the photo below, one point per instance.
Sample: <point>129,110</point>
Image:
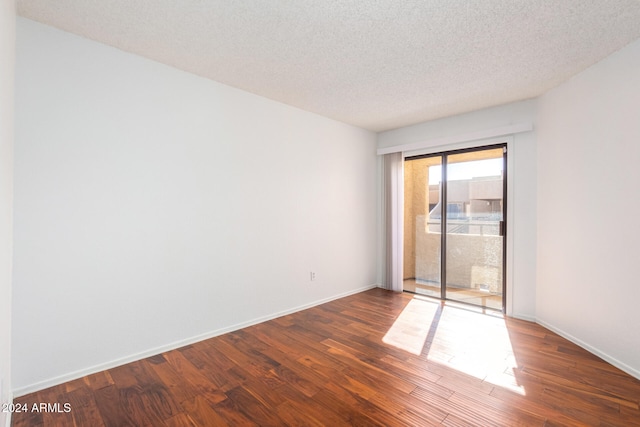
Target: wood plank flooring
<point>373,359</point>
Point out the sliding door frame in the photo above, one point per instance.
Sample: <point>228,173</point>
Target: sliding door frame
<point>443,153</point>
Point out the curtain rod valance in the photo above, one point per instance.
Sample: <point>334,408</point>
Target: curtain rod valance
<point>472,136</point>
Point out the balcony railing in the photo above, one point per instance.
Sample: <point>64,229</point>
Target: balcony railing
<point>466,226</point>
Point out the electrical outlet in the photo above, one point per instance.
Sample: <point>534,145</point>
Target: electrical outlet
<point>312,276</point>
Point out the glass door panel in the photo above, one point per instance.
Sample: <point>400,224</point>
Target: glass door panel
<point>474,227</point>
<point>422,226</point>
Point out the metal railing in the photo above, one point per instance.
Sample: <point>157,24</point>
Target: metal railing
<point>466,226</point>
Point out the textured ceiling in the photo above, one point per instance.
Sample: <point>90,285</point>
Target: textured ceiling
<point>377,64</point>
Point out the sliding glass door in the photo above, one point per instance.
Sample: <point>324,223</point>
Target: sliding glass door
<point>462,193</point>
<point>422,271</point>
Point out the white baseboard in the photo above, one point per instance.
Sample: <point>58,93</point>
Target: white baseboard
<point>177,344</point>
<point>18,392</point>
<point>524,317</point>
<point>612,360</point>
<point>604,356</point>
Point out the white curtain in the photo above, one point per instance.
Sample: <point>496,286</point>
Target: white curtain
<point>393,206</point>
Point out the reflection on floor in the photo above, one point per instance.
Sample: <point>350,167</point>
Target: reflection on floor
<point>470,296</point>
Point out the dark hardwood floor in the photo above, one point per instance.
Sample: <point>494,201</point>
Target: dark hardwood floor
<point>375,358</point>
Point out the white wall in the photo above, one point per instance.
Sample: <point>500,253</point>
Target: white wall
<point>521,294</point>
<point>588,204</point>
<point>7,64</point>
<point>153,206</point>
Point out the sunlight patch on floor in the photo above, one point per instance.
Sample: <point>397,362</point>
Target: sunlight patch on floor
<point>478,345</point>
<point>459,338</point>
<point>410,330</point>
